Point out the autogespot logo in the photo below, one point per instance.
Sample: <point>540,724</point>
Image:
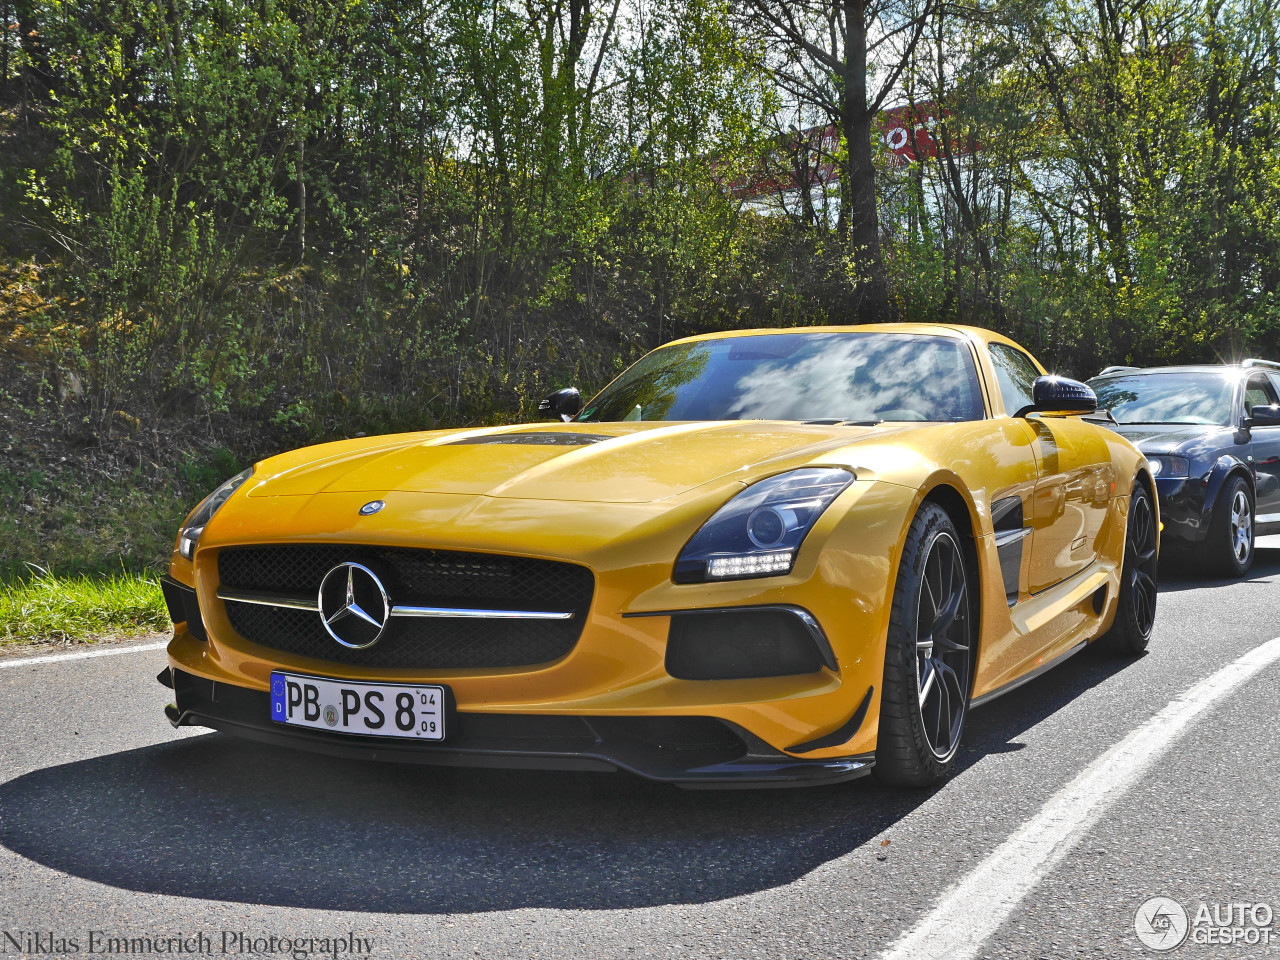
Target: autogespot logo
<point>354,607</point>
<point>1161,924</point>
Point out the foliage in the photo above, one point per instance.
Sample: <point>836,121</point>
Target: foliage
<point>1106,183</point>
<point>232,226</point>
<point>254,223</point>
<point>67,609</point>
<point>316,216</point>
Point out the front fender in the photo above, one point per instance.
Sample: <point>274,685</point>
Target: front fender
<point>1186,506</point>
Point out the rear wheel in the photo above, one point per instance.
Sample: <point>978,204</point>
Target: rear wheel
<point>927,669</point>
<point>1231,529</point>
<point>1136,610</point>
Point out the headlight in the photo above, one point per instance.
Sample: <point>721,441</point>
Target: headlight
<point>1168,467</point>
<point>758,532</point>
<point>202,514</point>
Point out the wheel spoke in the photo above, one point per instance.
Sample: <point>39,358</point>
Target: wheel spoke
<point>944,717</point>
<point>948,612</point>
<point>933,603</point>
<point>1146,584</point>
<point>926,685</point>
<point>954,695</point>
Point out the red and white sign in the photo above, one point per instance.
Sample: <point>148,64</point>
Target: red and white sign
<point>807,158</point>
<point>908,131</point>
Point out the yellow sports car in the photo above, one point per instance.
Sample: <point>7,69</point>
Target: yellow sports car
<point>771,556</point>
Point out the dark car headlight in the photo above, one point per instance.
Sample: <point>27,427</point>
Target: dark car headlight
<point>759,532</point>
<point>1166,467</point>
<point>191,530</point>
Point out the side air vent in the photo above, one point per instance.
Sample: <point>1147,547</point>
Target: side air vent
<point>1007,518</point>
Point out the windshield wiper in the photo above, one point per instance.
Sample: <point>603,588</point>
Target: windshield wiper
<point>840,422</point>
<point>1162,423</point>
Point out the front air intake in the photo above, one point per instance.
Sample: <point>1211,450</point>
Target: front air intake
<point>746,642</point>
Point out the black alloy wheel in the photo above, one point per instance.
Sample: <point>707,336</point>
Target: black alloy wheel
<point>1136,608</point>
<point>929,656</point>
<point>943,646</point>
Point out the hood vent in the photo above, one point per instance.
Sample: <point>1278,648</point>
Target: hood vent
<point>546,439</point>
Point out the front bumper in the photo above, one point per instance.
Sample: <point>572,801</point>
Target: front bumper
<point>686,750</point>
<point>1183,511</point>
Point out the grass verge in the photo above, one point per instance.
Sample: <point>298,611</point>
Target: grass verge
<point>49,607</point>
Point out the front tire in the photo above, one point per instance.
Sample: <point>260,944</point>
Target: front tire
<point>929,656</point>
<point>1136,608</point>
<point>1231,531</point>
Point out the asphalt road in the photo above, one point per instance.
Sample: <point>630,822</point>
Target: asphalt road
<point>111,821</point>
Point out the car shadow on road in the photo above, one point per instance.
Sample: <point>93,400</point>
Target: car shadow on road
<point>1179,575</point>
<point>222,819</point>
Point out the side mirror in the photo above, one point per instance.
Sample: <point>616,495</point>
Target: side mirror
<point>562,404</point>
<point>1060,395</point>
<point>1263,417</point>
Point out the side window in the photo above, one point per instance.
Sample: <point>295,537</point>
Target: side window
<point>1257,393</point>
<point>1016,375</point>
<point>1275,382</point>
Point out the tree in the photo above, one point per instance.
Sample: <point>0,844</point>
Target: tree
<point>845,58</point>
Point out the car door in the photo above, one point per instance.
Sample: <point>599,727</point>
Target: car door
<point>1265,450</point>
<point>1075,478</point>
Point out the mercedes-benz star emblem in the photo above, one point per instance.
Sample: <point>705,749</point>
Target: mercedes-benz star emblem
<point>353,605</point>
<point>372,507</point>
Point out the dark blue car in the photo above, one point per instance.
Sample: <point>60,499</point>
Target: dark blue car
<point>1212,437</point>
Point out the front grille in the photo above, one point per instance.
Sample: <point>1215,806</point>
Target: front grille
<point>414,577</point>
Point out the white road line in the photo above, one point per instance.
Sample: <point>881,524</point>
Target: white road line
<point>81,655</point>
<point>971,911</point>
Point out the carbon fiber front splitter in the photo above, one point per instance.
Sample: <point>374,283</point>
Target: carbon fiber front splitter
<point>693,752</point>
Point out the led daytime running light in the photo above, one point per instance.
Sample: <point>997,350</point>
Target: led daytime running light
<point>751,565</point>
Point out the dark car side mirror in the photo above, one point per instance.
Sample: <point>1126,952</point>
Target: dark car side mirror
<point>562,404</point>
<point>1263,417</point>
<point>1060,395</point>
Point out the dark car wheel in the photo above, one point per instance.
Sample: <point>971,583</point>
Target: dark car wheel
<point>1136,610</point>
<point>1231,529</point>
<point>927,667</point>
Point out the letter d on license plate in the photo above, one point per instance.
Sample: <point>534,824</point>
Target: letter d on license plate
<point>368,709</point>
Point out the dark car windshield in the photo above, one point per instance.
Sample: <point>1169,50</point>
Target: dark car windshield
<point>798,376</point>
<point>1201,397</point>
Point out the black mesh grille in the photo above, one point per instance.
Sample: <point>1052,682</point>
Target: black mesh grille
<point>414,576</point>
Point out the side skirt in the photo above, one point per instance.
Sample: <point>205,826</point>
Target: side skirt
<point>1027,678</point>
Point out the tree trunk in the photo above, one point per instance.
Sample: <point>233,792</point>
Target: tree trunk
<point>302,199</point>
<point>35,78</point>
<point>859,224</point>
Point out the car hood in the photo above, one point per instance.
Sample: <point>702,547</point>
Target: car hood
<point>601,462</point>
<point>1149,437</point>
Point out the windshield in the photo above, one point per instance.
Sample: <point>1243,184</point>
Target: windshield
<point>798,376</point>
<point>1192,397</point>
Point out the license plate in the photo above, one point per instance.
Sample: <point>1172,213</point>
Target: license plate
<point>411,711</point>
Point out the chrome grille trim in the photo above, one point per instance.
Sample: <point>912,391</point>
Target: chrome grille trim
<point>472,613</point>
<point>475,614</point>
<point>270,600</point>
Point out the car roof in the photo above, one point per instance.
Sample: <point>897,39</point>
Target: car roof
<point>958,331</point>
<point>1235,368</point>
